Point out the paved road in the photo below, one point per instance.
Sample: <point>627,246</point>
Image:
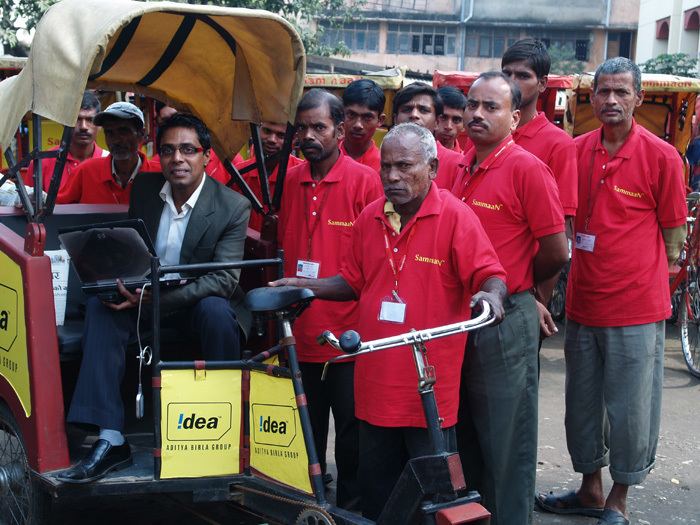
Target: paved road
<point>669,496</point>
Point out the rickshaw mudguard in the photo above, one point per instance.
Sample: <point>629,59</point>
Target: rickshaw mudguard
<point>30,379</point>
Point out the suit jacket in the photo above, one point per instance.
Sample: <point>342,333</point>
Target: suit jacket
<point>216,232</point>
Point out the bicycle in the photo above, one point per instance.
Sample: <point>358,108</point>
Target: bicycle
<point>685,290</point>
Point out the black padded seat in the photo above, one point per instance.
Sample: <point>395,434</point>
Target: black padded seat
<point>270,299</point>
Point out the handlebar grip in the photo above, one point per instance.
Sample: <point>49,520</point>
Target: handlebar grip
<point>322,339</point>
<point>350,342</point>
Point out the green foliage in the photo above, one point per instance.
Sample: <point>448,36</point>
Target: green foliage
<point>300,13</point>
<point>564,61</point>
<point>15,14</point>
<point>674,64</point>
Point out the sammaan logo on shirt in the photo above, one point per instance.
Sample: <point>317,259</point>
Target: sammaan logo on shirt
<point>198,421</point>
<point>635,194</point>
<point>342,224</point>
<point>487,205</point>
<point>429,260</point>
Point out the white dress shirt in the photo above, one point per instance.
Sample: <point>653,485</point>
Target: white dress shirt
<point>172,226</point>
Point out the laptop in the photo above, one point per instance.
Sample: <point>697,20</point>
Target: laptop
<point>102,253</point>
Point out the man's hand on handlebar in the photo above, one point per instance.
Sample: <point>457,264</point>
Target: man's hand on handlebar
<point>493,291</point>
<point>494,301</point>
<point>288,281</point>
<point>131,300</point>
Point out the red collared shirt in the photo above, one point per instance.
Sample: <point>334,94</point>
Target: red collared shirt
<point>448,166</point>
<point>627,200</point>
<point>316,220</point>
<point>93,183</point>
<point>514,195</point>
<point>253,180</point>
<point>556,149</point>
<point>48,165</point>
<point>370,158</point>
<point>448,258</point>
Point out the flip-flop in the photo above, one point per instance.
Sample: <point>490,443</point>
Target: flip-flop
<point>612,517</point>
<point>567,503</point>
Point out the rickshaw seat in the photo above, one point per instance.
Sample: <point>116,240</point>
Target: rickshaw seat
<point>271,299</point>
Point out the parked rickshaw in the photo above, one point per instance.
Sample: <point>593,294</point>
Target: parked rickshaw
<point>233,431</point>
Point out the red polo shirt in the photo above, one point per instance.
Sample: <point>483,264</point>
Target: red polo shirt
<point>448,258</point>
<point>448,166</point>
<point>316,219</point>
<point>253,180</point>
<point>516,198</point>
<point>48,165</point>
<point>370,158</point>
<point>556,149</point>
<point>628,198</point>
<point>93,183</point>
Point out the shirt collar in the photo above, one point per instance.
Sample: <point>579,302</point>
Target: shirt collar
<point>492,160</point>
<point>628,148</point>
<point>166,194</point>
<point>334,175</point>
<point>532,128</point>
<point>139,161</point>
<point>430,206</point>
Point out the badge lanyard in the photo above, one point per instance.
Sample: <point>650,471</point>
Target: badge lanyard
<point>311,228</point>
<point>397,269</point>
<point>473,182</point>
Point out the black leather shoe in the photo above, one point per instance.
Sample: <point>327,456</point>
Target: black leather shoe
<point>103,458</point>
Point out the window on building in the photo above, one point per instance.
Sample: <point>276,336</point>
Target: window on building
<point>620,44</point>
<point>487,42</point>
<point>358,36</point>
<point>576,41</point>
<point>424,39</point>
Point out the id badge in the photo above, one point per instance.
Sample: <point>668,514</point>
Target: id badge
<point>392,310</point>
<point>585,242</point>
<point>308,269</point>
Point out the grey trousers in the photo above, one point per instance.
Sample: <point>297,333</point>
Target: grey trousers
<point>497,427</point>
<point>614,379</point>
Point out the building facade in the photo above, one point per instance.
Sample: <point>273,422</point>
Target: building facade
<point>471,35</point>
<point>668,26</point>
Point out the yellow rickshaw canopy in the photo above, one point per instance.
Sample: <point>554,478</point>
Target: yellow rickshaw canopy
<point>227,66</point>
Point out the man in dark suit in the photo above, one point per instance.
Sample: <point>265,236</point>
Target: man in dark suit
<point>193,219</point>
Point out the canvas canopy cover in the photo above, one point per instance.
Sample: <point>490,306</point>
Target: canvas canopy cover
<point>227,66</point>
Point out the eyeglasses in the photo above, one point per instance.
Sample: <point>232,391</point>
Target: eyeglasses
<point>187,150</point>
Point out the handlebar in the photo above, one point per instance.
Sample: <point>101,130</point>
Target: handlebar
<point>351,343</point>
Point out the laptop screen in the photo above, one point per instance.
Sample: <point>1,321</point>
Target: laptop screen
<point>104,253</point>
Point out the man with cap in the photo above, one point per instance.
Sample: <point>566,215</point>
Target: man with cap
<point>108,180</point>
<point>192,219</point>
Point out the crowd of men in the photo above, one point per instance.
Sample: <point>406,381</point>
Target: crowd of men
<point>415,235</point>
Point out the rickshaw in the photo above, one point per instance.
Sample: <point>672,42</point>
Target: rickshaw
<point>235,431</point>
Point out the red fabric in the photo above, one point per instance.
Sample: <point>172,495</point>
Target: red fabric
<point>516,198</point>
<point>624,281</point>
<point>448,258</point>
<point>215,168</point>
<point>253,180</point>
<point>93,183</point>
<point>448,166</point>
<point>47,166</point>
<point>340,197</point>
<point>457,147</point>
<point>556,149</point>
<point>370,158</point>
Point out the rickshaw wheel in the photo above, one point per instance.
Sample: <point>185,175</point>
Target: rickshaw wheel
<point>21,501</point>
<point>314,517</point>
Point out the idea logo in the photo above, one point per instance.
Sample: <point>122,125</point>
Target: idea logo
<point>273,424</point>
<point>198,421</point>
